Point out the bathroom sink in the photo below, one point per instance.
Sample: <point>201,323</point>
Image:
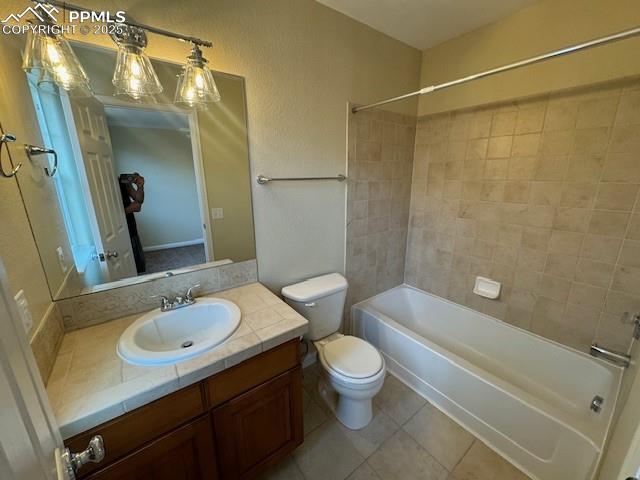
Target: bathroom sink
<point>161,338</point>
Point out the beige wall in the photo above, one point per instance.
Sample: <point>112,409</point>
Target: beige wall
<point>544,26</point>
<point>302,63</point>
<point>225,156</point>
<point>17,248</point>
<point>541,195</point>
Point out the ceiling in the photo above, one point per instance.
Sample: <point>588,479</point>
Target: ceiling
<point>425,23</point>
<point>145,118</point>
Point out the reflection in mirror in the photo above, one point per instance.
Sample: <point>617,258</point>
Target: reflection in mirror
<point>145,188</point>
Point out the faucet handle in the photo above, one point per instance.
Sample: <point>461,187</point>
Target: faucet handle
<point>189,295</point>
<point>164,301</point>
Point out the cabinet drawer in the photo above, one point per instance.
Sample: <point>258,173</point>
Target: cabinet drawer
<point>184,454</point>
<point>129,432</point>
<point>250,373</point>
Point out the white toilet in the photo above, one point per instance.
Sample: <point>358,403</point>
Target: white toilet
<point>353,369</point>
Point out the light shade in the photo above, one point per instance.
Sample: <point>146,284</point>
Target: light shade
<point>196,86</point>
<point>52,59</point>
<point>134,75</point>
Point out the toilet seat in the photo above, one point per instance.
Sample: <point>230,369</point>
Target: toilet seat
<point>351,360</point>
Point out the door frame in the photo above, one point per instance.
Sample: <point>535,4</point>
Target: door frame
<point>78,159</point>
<point>198,162</point>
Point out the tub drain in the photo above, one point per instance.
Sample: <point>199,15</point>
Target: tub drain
<point>187,344</point>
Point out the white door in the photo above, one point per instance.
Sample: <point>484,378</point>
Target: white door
<point>87,124</point>
<point>29,436</point>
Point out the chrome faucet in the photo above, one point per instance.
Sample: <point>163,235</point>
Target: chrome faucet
<point>619,358</point>
<point>179,301</point>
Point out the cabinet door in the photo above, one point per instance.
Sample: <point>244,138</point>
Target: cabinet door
<point>259,427</point>
<point>184,454</point>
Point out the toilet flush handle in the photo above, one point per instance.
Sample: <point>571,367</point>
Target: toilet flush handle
<point>310,304</point>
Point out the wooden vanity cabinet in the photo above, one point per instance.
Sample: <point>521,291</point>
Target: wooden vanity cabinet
<point>229,426</point>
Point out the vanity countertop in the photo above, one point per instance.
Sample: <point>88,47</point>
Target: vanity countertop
<point>90,384</point>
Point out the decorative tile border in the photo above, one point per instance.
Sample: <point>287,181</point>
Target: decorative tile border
<point>46,341</point>
<point>95,308</point>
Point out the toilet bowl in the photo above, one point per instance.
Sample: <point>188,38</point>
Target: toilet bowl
<point>353,373</point>
<point>353,370</point>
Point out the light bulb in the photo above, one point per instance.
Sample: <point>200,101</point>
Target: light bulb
<point>53,59</point>
<point>196,86</point>
<point>134,74</point>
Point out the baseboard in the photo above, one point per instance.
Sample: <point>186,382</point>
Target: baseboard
<point>186,243</point>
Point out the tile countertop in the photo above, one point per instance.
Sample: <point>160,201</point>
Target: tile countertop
<point>90,384</point>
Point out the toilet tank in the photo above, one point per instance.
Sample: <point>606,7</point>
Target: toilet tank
<point>321,301</point>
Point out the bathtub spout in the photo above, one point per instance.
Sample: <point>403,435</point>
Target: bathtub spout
<point>619,358</point>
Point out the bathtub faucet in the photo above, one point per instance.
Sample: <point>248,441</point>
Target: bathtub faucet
<point>619,358</point>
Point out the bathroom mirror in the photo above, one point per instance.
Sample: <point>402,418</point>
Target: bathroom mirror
<point>144,188</point>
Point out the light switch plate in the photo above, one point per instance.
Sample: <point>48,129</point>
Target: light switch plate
<point>23,311</point>
<point>217,214</point>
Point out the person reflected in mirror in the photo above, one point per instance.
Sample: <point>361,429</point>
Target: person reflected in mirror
<point>132,191</point>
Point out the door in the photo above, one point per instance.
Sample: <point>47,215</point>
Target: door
<point>87,125</point>
<point>259,427</point>
<point>29,436</point>
<point>184,454</point>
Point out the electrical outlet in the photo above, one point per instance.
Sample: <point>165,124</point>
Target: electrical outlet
<point>217,213</point>
<point>23,311</point>
<point>61,260</point>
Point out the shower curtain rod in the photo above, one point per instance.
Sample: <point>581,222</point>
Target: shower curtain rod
<point>522,63</point>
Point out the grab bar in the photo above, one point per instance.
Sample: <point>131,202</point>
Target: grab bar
<point>262,179</point>
<point>35,150</point>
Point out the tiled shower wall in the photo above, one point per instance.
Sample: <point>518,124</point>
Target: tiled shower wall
<point>380,157</point>
<point>541,195</point>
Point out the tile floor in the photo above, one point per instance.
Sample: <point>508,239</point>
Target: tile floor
<point>408,439</point>
<point>172,258</point>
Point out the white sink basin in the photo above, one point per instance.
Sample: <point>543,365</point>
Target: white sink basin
<point>162,338</point>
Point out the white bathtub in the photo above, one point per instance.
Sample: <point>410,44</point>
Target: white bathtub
<point>526,397</point>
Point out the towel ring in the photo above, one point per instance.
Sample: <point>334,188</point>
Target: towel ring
<point>5,139</point>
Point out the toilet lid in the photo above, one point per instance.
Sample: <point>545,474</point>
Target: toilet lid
<point>352,357</point>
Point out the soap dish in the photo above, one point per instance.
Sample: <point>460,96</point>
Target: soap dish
<point>485,287</point>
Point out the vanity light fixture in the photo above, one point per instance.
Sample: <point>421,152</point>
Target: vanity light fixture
<point>196,86</point>
<point>134,75</point>
<point>51,58</point>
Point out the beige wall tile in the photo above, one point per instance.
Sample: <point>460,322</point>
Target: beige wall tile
<point>499,147</point>
<point>597,113</point>
<point>630,254</point>
<point>594,273</point>
<point>551,167</point>
<point>604,222</point>
<point>587,295</point>
<point>622,167</point>
<point>584,168</point>
<point>616,196</point>
<point>545,193</point>
<point>629,110</point>
<point>526,145</point>
<point>578,194</point>
<point>542,200</point>
<point>626,279</point>
<point>633,231</point>
<point>530,120</point>
<point>503,123</point>
<point>603,249</point>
